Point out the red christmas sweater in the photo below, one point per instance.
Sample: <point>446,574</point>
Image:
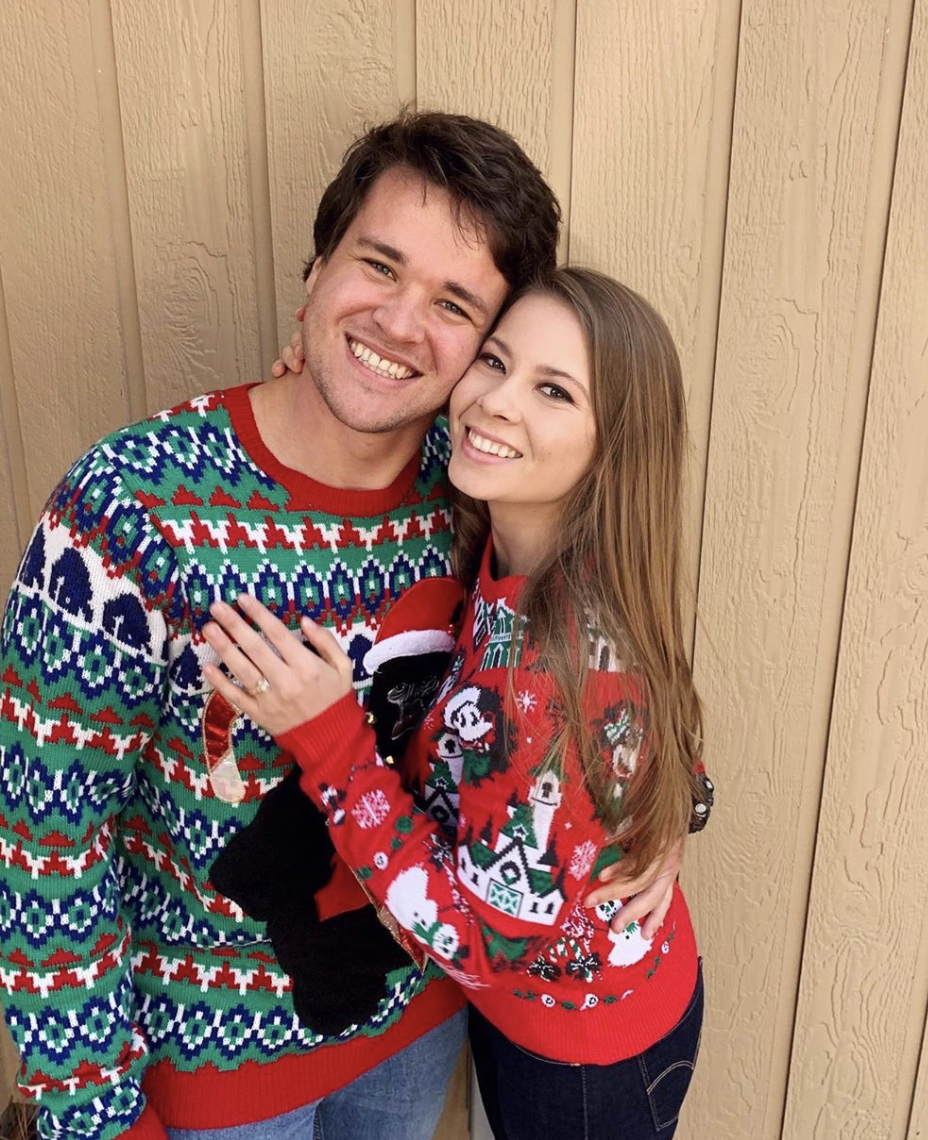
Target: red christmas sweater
<point>487,865</point>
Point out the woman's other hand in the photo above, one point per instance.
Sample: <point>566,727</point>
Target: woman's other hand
<point>291,355</point>
<point>649,895</point>
<point>282,682</point>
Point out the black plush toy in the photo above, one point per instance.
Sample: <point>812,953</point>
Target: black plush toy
<point>274,867</point>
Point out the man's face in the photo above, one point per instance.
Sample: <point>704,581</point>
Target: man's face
<point>395,315</point>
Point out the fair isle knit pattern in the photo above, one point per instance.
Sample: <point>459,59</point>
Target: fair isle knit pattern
<point>114,949</point>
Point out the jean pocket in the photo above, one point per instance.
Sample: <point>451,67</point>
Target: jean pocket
<point>667,1067</point>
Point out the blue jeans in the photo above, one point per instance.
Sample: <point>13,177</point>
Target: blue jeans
<point>527,1096</point>
<point>399,1099</point>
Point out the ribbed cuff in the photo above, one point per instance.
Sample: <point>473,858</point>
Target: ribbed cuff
<point>148,1126</point>
<point>326,746</point>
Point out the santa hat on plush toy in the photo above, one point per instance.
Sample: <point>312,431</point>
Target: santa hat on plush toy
<point>424,619</point>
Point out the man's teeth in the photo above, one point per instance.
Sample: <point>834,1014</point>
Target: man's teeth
<point>490,447</point>
<point>380,364</point>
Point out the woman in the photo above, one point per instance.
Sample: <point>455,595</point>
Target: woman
<point>566,733</point>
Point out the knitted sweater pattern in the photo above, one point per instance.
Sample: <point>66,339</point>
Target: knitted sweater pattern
<point>115,951</point>
<point>487,865</point>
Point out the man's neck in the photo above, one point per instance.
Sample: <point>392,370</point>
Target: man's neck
<point>302,434</point>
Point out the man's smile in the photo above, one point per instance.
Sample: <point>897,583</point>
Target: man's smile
<point>381,365</point>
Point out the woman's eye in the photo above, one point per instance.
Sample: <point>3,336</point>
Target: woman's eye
<point>556,392</point>
<point>492,361</point>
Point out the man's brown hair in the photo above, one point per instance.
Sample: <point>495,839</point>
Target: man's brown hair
<point>491,181</point>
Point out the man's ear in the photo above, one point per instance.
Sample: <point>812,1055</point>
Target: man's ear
<point>313,275</point>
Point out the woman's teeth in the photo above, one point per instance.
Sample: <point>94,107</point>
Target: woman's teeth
<point>379,364</point>
<point>490,447</point>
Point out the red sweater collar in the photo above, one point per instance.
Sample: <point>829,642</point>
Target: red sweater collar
<point>305,493</point>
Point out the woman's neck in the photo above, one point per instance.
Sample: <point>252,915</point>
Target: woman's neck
<point>521,540</point>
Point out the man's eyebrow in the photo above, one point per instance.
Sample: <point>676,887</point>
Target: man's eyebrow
<point>467,297</point>
<point>454,287</point>
<point>544,369</point>
<point>383,249</point>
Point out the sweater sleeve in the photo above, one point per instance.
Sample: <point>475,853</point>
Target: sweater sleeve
<point>404,858</point>
<point>82,670</point>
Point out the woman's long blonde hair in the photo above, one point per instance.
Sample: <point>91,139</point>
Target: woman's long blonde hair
<point>616,562</point>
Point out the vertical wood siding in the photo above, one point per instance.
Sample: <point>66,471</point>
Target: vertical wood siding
<point>757,169</point>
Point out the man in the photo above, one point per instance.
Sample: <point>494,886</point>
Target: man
<point>143,1002</point>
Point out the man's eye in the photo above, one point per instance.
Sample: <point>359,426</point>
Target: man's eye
<point>454,310</point>
<point>379,267</point>
<point>491,361</point>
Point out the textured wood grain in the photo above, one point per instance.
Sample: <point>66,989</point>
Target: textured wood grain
<point>492,59</point>
<point>329,70</point>
<point>861,1012</point>
<point>14,508</point>
<point>795,336</point>
<point>654,94</point>
<point>10,542</point>
<point>59,275</point>
<point>180,86</point>
<point>918,1123</point>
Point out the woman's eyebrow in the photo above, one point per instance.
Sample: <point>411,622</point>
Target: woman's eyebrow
<point>500,344</point>
<point>544,369</point>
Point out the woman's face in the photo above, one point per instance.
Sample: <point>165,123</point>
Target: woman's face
<point>522,426</point>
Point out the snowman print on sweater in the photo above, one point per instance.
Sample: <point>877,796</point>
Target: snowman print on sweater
<point>407,899</point>
<point>628,945</point>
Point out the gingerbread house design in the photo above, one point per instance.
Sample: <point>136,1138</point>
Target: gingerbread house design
<point>516,875</point>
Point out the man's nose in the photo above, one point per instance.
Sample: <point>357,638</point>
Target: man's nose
<point>402,317</point>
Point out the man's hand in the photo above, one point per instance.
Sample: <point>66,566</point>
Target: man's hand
<point>652,891</point>
<point>291,355</point>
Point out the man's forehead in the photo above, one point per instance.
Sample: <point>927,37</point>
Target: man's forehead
<point>401,189</point>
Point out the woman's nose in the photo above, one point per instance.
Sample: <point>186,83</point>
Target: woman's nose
<point>500,401</point>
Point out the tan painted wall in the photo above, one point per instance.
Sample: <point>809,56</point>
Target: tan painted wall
<point>758,169</point>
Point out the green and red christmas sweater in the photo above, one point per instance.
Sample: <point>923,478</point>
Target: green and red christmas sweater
<point>484,850</point>
<point>125,974</point>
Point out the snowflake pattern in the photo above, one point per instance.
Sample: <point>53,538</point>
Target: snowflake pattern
<point>582,860</point>
<point>371,810</point>
<point>527,701</point>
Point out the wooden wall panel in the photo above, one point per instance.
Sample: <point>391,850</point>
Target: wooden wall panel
<point>59,275</point>
<point>524,86</point>
<point>181,97</point>
<point>864,993</point>
<point>13,501</point>
<point>330,68</point>
<point>654,93</point>
<point>918,1122</point>
<point>9,536</point>
<point>806,222</point>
